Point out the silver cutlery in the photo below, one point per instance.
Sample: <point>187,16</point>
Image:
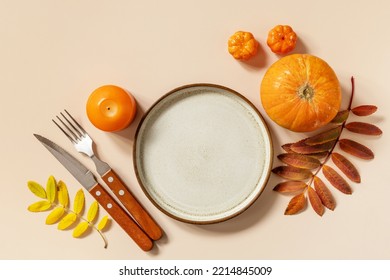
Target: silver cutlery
<point>88,181</point>
<point>84,144</point>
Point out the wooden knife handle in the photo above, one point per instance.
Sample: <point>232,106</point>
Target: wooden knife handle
<point>121,217</point>
<point>136,210</point>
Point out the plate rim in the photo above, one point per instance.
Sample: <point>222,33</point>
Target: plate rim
<point>136,140</point>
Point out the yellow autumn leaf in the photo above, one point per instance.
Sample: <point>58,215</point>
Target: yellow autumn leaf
<point>51,189</point>
<point>67,221</point>
<point>36,189</point>
<point>39,206</point>
<point>79,200</point>
<point>55,215</point>
<point>80,229</point>
<point>103,223</point>
<point>63,195</point>
<point>92,211</point>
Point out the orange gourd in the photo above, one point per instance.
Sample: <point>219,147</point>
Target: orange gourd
<point>282,39</point>
<point>300,92</point>
<point>242,45</point>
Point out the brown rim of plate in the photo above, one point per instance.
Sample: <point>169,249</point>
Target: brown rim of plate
<point>144,189</point>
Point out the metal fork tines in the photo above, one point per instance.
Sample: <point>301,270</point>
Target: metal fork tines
<point>77,133</point>
<point>80,139</point>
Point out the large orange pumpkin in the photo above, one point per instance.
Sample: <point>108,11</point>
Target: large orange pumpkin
<point>300,92</point>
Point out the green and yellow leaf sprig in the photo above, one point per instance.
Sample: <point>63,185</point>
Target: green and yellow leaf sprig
<point>56,198</point>
<point>306,158</point>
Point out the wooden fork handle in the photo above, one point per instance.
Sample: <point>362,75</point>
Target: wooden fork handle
<point>121,217</point>
<point>140,215</point>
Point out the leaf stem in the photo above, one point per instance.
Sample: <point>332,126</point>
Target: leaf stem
<point>338,137</point>
<point>103,237</point>
<point>352,93</point>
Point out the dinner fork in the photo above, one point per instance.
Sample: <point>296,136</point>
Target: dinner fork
<point>84,144</point>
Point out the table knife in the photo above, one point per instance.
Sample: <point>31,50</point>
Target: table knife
<point>85,177</point>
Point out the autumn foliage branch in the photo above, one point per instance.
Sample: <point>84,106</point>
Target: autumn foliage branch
<point>55,197</point>
<point>305,159</point>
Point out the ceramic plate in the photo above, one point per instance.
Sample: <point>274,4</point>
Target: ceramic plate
<point>202,153</point>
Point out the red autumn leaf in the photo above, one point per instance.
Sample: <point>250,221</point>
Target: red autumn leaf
<point>336,180</point>
<point>363,128</point>
<point>324,194</point>
<point>292,173</point>
<point>287,147</point>
<point>326,136</point>
<point>346,167</point>
<point>319,155</point>
<point>341,117</point>
<point>302,148</point>
<point>315,201</point>
<point>290,187</point>
<point>296,204</point>
<point>355,149</point>
<point>300,161</point>
<point>364,110</point>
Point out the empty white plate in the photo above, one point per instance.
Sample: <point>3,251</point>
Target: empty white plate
<point>202,153</point>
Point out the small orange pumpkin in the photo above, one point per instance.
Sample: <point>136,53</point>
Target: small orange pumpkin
<point>300,92</point>
<point>242,45</point>
<point>282,39</point>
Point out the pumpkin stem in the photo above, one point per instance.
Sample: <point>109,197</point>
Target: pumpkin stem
<point>306,92</point>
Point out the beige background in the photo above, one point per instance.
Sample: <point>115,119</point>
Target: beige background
<point>53,54</point>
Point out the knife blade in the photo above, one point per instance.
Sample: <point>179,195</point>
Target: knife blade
<point>85,177</point>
